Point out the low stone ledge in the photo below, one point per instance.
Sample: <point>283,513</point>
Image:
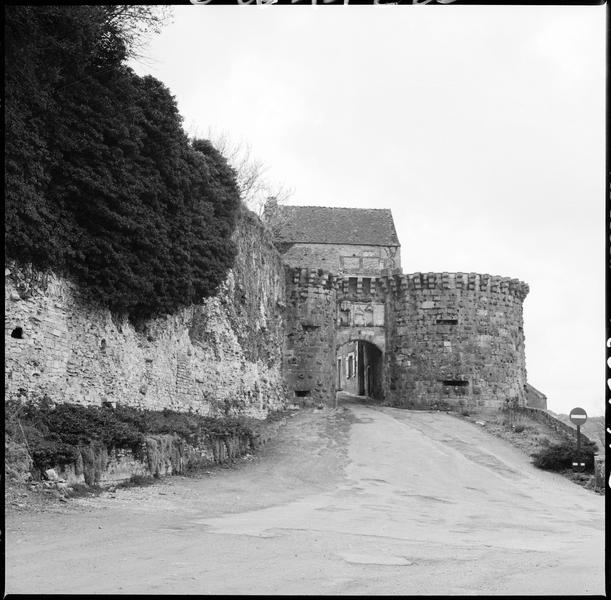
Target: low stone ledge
<point>564,429</point>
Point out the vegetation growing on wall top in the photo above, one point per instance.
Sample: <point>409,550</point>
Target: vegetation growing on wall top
<point>55,434</point>
<point>102,183</point>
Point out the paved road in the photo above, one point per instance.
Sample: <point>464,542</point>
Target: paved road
<point>360,500</point>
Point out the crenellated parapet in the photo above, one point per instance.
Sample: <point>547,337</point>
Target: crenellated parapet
<point>315,278</point>
<point>362,288</point>
<point>458,281</point>
<point>463,281</point>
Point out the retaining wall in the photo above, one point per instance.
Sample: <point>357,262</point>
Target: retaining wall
<point>564,429</point>
<point>219,357</point>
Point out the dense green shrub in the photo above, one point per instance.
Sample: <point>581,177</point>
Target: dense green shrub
<point>559,457</point>
<point>102,183</point>
<point>56,434</point>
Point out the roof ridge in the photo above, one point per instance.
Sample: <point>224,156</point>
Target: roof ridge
<point>335,224</point>
<point>331,207</point>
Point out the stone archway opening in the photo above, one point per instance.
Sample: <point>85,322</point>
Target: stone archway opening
<point>359,369</point>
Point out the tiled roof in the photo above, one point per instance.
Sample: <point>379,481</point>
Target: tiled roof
<point>326,225</point>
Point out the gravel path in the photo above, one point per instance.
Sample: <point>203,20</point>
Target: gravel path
<point>358,500</point>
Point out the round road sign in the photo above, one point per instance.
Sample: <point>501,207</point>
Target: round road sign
<point>578,416</point>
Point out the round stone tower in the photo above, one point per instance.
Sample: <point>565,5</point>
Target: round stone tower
<point>456,339</point>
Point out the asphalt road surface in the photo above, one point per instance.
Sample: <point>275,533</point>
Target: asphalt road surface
<point>358,500</point>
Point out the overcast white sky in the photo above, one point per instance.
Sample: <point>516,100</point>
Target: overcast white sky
<point>482,128</point>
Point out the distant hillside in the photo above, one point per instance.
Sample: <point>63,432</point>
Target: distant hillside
<point>594,427</point>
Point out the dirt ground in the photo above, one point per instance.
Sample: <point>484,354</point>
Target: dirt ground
<point>358,500</point>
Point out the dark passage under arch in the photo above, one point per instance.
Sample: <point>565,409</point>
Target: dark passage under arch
<point>359,369</point>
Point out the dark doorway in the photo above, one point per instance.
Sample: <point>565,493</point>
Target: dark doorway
<point>370,370</point>
<point>359,369</point>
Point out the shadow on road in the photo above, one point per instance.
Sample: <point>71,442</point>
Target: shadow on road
<point>344,398</point>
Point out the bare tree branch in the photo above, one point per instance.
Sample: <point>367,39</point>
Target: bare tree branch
<point>255,187</point>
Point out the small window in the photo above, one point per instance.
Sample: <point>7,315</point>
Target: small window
<point>302,393</point>
<point>350,368</point>
<point>447,321</point>
<point>17,333</point>
<point>455,382</point>
<point>366,286</point>
<point>103,346</point>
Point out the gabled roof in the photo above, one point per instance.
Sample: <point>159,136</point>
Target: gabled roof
<point>326,225</point>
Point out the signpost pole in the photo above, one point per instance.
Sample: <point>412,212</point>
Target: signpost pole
<point>578,417</point>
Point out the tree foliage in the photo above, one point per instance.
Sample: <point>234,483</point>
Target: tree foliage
<point>102,183</point>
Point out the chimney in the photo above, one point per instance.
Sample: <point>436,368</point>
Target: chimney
<point>270,209</point>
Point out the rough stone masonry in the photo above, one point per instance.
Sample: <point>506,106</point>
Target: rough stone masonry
<point>220,357</point>
<point>274,333</point>
<point>453,339</point>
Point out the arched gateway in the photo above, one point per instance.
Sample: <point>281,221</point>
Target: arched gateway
<point>355,322</point>
<point>360,368</point>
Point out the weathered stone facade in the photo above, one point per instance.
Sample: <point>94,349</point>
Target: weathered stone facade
<point>277,333</point>
<point>310,336</point>
<point>343,241</point>
<point>457,338</point>
<point>343,259</point>
<point>446,339</point>
<point>222,356</point>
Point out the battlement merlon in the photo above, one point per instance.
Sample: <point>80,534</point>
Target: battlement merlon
<point>307,277</point>
<point>394,280</point>
<point>459,281</point>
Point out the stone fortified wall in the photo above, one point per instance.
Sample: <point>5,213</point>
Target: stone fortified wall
<point>222,356</point>
<point>451,338</point>
<point>309,352</point>
<point>457,339</point>
<point>446,338</point>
